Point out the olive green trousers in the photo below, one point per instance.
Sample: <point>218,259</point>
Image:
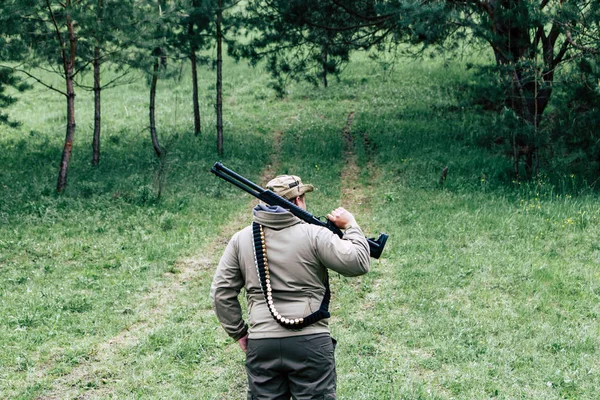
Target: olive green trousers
<point>298,367</point>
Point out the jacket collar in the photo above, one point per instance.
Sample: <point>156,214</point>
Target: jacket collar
<point>274,217</point>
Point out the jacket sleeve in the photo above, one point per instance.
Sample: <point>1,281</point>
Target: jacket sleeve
<point>348,256</point>
<point>224,291</point>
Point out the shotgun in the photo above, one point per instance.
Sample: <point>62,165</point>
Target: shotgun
<point>273,199</point>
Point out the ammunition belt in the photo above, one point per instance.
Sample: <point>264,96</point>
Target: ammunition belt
<point>264,276</point>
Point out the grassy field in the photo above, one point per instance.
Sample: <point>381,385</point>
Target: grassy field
<point>487,288</point>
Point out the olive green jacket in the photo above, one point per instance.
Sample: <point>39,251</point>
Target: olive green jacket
<point>297,254</point>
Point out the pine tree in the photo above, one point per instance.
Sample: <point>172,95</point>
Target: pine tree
<point>52,31</point>
<point>219,77</point>
<point>299,39</point>
<point>197,23</point>
<point>108,31</point>
<point>49,27</point>
<point>155,47</point>
<point>531,40</point>
<point>11,51</point>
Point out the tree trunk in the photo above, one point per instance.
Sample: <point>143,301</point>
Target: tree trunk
<point>219,80</point>
<point>516,158</point>
<point>97,109</point>
<point>97,93</point>
<point>513,47</point>
<point>324,64</point>
<point>155,143</point>
<point>68,65</point>
<point>68,147</point>
<point>197,125</point>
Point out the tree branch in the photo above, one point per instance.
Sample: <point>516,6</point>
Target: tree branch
<point>380,18</point>
<point>113,83</point>
<point>83,67</point>
<point>561,54</point>
<point>232,5</point>
<point>539,34</point>
<point>580,47</point>
<point>345,28</point>
<point>62,43</point>
<point>35,78</point>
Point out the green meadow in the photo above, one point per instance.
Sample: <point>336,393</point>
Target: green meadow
<point>487,288</point>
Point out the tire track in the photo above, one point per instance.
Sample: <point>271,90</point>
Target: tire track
<point>355,197</point>
<point>355,193</point>
<point>271,170</point>
<point>163,297</point>
<point>352,195</point>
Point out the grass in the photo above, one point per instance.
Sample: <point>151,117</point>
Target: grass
<point>486,289</point>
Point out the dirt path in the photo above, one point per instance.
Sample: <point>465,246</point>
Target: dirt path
<point>272,169</point>
<point>352,196</point>
<point>162,298</point>
<point>355,196</point>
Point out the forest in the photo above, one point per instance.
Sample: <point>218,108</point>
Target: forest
<point>465,129</point>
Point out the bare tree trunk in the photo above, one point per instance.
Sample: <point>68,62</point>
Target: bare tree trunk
<point>219,79</point>
<point>197,125</point>
<point>97,109</point>
<point>68,64</point>
<point>68,147</point>
<point>324,64</point>
<point>516,158</point>
<point>155,143</point>
<point>97,92</point>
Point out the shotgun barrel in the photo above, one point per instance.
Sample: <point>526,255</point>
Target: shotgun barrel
<point>272,199</point>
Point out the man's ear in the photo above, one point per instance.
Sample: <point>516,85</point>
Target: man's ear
<point>296,200</point>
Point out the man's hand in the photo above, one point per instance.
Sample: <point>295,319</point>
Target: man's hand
<point>341,218</point>
<point>243,342</point>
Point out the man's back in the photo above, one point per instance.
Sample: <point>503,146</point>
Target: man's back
<point>282,263</point>
<point>298,254</point>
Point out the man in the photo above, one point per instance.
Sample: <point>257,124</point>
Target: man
<point>282,263</point>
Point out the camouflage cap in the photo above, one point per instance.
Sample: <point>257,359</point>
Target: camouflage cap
<point>289,186</point>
